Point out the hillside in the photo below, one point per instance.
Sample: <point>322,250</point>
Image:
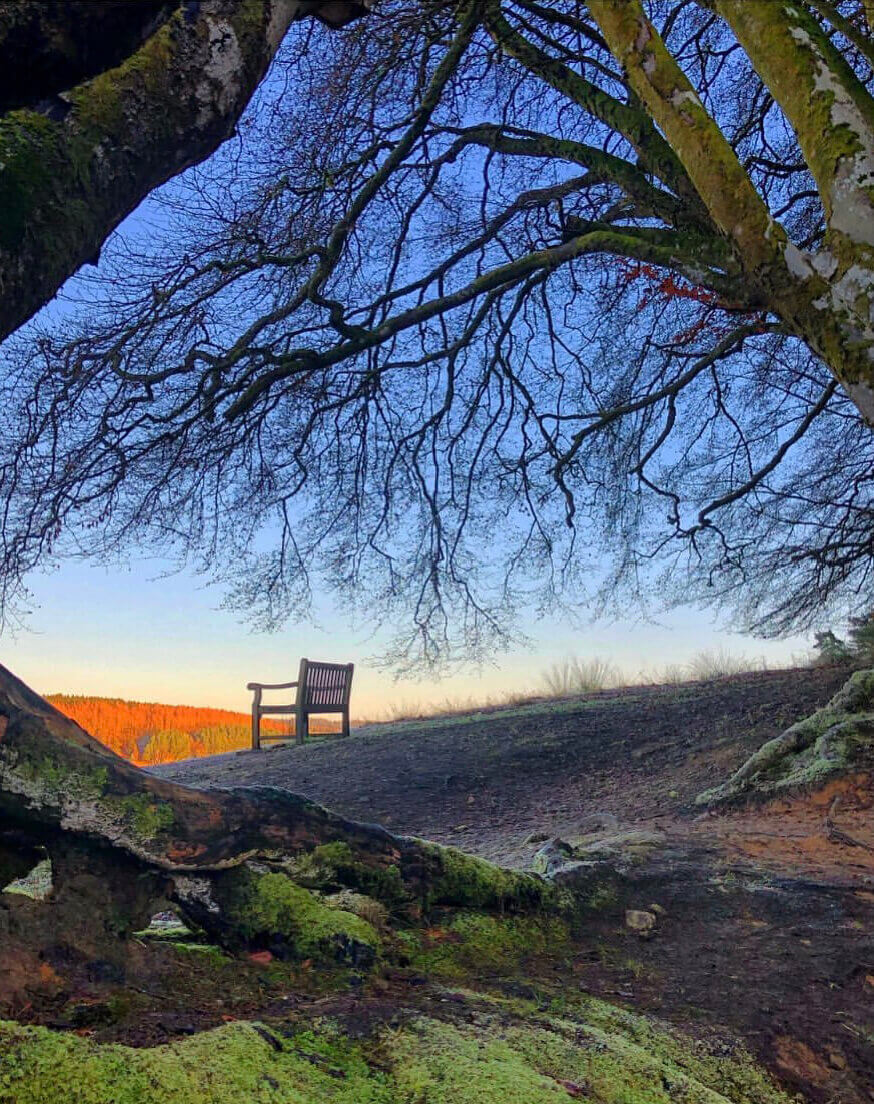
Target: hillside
<point>484,780</point>
<point>148,733</point>
<point>645,949</point>
<point>761,915</point>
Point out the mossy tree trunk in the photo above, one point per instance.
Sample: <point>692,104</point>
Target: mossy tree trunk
<point>827,297</point>
<point>102,103</point>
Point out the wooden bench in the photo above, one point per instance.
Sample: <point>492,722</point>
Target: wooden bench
<point>321,688</point>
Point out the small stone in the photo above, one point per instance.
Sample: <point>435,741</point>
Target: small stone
<point>640,920</point>
<point>260,957</point>
<point>836,1060</point>
<point>598,822</point>
<point>659,910</point>
<point>536,837</point>
<point>631,845</point>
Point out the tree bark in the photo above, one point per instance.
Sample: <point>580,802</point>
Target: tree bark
<point>74,165</point>
<point>48,46</point>
<point>832,115</point>
<point>824,297</point>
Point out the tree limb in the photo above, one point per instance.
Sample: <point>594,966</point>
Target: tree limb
<point>69,175</point>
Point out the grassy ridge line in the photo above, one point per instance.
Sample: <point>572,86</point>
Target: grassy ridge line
<point>538,702</point>
<point>573,677</point>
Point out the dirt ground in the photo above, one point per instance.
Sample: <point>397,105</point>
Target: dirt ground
<point>485,781</point>
<point>766,926</point>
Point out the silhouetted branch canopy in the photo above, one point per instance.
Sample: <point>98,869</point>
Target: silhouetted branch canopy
<point>489,308</point>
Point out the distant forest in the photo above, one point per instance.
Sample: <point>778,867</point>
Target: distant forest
<point>148,732</point>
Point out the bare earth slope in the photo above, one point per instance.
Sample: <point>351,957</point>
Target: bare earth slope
<point>765,915</point>
<point>484,781</point>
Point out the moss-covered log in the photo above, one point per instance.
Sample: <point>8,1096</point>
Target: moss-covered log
<point>153,88</point>
<point>250,866</point>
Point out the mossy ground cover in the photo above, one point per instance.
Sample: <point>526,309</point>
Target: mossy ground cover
<point>388,1033</point>
<point>502,1053</point>
<point>474,945</point>
<point>267,906</point>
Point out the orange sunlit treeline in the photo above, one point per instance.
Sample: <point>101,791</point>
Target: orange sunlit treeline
<point>148,732</point>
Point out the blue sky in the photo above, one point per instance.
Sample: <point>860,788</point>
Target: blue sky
<point>129,633</point>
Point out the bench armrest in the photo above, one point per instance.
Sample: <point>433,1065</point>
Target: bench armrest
<point>270,685</point>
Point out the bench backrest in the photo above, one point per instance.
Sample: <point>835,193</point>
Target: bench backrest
<point>324,686</point>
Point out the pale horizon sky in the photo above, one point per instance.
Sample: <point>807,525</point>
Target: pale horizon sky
<point>125,633</point>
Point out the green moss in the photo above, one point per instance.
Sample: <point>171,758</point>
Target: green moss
<point>24,170</point>
<point>144,815</point>
<point>98,103</point>
<point>471,882</point>
<point>56,780</point>
<point>374,912</point>
<point>206,951</point>
<point>37,884</point>
<point>623,1059</point>
<point>262,907</point>
<point>789,55</point>
<point>476,946</point>
<point>607,1059</point>
<point>453,878</point>
<point>604,898</point>
<point>505,1053</point>
<point>172,932</point>
<point>834,740</point>
<point>335,865</point>
<point>336,854</point>
<point>233,1063</point>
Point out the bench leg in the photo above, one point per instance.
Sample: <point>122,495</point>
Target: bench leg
<point>256,720</point>
<point>345,722</point>
<point>299,727</point>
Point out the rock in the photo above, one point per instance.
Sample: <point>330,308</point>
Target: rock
<point>836,1060</point>
<point>347,900</point>
<point>577,875</point>
<point>536,837</point>
<point>552,855</point>
<point>634,844</point>
<point>640,920</point>
<point>659,910</point>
